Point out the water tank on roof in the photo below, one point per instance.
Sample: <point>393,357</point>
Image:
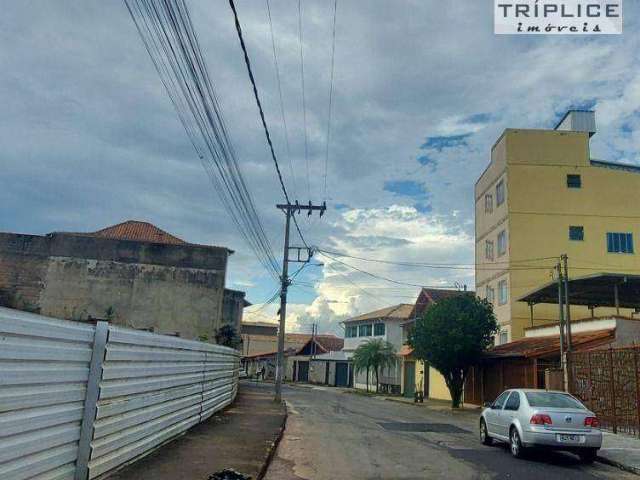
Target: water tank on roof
<point>578,121</point>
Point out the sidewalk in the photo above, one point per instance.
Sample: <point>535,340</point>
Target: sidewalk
<point>242,438</point>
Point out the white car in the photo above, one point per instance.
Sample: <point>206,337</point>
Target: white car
<point>527,418</point>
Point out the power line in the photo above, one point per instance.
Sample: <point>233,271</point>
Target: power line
<point>449,266</point>
<point>333,54</point>
<point>380,277</point>
<point>168,35</point>
<point>284,118</point>
<point>304,102</point>
<point>257,97</point>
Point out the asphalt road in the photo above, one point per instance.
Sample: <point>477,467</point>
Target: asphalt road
<point>334,435</point>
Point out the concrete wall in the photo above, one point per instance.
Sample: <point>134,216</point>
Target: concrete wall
<point>233,308</point>
<point>437,386</point>
<point>170,288</point>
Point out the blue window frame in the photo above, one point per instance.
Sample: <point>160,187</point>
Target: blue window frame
<point>619,242</point>
<point>378,329</point>
<point>351,331</point>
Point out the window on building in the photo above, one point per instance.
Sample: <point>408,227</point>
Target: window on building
<point>351,331</point>
<point>378,329</point>
<point>576,232</point>
<point>500,193</point>
<point>502,243</point>
<point>619,242</point>
<point>488,249</point>
<point>504,337</point>
<point>574,181</point>
<point>502,292</point>
<point>488,203</point>
<point>364,330</point>
<point>491,294</point>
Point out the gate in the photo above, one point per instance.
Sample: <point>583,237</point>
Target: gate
<point>607,381</point>
<point>303,371</point>
<point>342,374</point>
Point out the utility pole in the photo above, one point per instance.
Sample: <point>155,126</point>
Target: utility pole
<point>289,210</point>
<point>565,261</point>
<point>561,318</point>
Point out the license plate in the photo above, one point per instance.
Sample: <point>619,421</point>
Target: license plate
<point>568,438</point>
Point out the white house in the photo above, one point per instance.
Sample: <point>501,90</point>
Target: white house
<point>385,324</point>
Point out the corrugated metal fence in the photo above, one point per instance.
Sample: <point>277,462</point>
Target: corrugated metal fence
<point>77,401</point>
<point>608,382</point>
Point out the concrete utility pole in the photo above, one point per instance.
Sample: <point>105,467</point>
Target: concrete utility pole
<point>565,261</point>
<point>289,210</point>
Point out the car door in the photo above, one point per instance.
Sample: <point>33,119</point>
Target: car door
<point>493,414</point>
<point>509,412</point>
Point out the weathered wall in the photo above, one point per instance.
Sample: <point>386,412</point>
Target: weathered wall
<point>170,288</point>
<point>232,308</point>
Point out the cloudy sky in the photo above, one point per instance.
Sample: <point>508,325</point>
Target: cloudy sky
<point>422,89</point>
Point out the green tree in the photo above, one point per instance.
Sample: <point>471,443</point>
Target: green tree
<point>226,335</point>
<point>451,337</point>
<point>374,354</point>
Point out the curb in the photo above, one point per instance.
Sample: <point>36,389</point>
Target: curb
<point>615,463</point>
<point>274,445</point>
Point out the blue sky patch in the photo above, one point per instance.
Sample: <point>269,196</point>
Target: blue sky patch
<point>407,188</point>
<point>423,207</point>
<point>445,141</point>
<point>478,118</point>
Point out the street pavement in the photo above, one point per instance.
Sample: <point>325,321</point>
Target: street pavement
<point>332,434</point>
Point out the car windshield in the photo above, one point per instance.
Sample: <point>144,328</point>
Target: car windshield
<point>552,400</point>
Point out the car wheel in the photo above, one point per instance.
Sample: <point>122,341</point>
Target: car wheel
<point>515,445</point>
<point>588,455</point>
<point>484,433</point>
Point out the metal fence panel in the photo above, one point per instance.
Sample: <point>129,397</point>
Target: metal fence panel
<point>78,401</point>
<point>153,388</point>
<point>44,365</point>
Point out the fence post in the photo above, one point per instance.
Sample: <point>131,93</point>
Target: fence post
<point>612,391</point>
<point>91,400</point>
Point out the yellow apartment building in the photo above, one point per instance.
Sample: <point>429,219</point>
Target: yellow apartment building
<point>541,196</point>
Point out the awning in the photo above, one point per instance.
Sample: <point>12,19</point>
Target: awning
<point>598,290</point>
<point>533,347</point>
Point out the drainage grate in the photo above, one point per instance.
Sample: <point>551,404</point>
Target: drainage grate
<point>421,427</point>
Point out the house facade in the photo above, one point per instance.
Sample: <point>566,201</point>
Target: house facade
<point>541,196</point>
<point>384,324</point>
<point>416,375</point>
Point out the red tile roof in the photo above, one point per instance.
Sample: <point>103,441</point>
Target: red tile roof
<point>550,345</point>
<point>138,231</point>
<point>429,296</point>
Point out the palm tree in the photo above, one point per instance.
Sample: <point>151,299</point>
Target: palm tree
<point>374,354</point>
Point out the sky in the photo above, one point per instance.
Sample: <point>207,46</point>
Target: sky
<point>422,90</point>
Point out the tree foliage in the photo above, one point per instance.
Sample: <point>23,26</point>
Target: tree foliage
<point>374,354</point>
<point>226,335</point>
<point>451,337</point>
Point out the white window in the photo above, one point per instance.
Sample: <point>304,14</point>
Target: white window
<point>488,249</point>
<point>504,337</point>
<point>502,292</point>
<point>502,243</point>
<point>488,203</point>
<point>491,294</point>
<point>500,193</point>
